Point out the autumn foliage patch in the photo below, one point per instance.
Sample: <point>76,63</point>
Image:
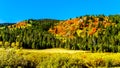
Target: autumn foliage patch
<point>86,24</point>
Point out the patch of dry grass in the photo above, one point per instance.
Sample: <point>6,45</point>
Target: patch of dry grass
<point>55,50</point>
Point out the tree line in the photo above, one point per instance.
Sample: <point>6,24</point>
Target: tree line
<point>38,37</point>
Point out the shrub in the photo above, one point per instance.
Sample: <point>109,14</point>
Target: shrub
<point>19,58</point>
<point>10,58</point>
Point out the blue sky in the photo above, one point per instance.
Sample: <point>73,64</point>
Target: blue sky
<point>17,10</point>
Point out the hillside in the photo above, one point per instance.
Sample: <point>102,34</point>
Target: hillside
<point>19,25</point>
<point>81,26</point>
<point>97,33</point>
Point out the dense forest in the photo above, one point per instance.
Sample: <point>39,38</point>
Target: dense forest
<point>97,33</point>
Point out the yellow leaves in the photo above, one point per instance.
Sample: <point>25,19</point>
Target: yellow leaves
<point>64,40</point>
<point>90,21</point>
<point>50,30</point>
<point>71,36</point>
<point>106,25</point>
<point>106,19</point>
<point>17,44</point>
<point>13,44</point>
<point>1,43</point>
<point>113,24</point>
<point>20,25</point>
<point>6,43</point>
<point>81,26</point>
<point>9,26</point>
<point>64,29</point>
<point>85,18</point>
<point>96,19</point>
<point>99,29</point>
<point>79,32</point>
<point>29,25</point>
<point>96,34</point>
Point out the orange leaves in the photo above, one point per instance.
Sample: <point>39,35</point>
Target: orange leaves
<point>72,28</point>
<point>19,25</point>
<point>96,23</point>
<point>92,31</point>
<point>63,29</point>
<point>71,36</point>
<point>59,29</point>
<point>81,25</point>
<point>73,21</point>
<point>89,25</point>
<point>99,29</point>
<point>76,19</point>
<point>69,22</point>
<point>107,24</point>
<point>50,30</point>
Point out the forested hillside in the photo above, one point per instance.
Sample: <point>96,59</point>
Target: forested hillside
<point>97,33</point>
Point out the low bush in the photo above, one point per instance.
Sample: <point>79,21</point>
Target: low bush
<point>12,58</point>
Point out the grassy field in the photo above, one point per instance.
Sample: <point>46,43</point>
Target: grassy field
<point>55,50</point>
<point>57,58</point>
